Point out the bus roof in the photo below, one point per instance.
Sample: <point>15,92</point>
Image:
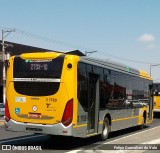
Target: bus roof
<point>105,63</point>
<point>115,66</point>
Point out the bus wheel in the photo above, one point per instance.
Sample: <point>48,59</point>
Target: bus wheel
<point>105,129</point>
<point>143,122</point>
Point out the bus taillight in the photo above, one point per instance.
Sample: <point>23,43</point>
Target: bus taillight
<point>68,113</point>
<point>7,114</point>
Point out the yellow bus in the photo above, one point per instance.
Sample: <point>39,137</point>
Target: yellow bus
<point>156,99</point>
<point>69,95</point>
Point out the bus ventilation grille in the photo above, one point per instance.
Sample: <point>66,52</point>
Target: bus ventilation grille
<point>36,88</point>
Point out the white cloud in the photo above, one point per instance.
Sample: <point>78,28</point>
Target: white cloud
<point>151,46</point>
<point>146,38</point>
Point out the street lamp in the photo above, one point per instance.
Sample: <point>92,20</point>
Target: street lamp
<point>152,65</point>
<point>90,52</point>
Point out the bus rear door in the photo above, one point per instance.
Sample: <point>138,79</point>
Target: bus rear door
<point>93,103</point>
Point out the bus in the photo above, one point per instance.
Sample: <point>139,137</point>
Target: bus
<point>156,99</point>
<point>70,95</point>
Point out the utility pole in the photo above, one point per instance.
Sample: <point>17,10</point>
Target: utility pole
<point>4,60</point>
<point>90,52</point>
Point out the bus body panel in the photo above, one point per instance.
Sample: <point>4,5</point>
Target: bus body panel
<point>43,114</point>
<point>34,109</point>
<point>43,109</point>
<point>156,98</point>
<point>52,129</point>
<point>156,101</point>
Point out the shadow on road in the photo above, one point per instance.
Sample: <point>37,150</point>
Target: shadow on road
<point>68,143</point>
<point>156,115</point>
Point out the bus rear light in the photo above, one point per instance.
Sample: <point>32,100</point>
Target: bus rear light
<point>7,114</point>
<point>68,113</point>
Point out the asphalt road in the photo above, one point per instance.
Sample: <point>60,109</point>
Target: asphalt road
<point>60,144</point>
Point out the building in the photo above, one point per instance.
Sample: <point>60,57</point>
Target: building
<point>15,49</point>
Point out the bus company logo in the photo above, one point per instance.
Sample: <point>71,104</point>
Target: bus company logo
<point>38,61</point>
<point>47,105</point>
<point>34,108</point>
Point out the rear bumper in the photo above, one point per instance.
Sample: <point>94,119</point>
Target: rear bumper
<point>56,129</point>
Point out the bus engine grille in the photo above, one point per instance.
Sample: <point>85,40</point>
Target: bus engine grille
<point>36,88</point>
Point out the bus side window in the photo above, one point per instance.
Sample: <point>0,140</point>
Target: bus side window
<point>104,93</point>
<point>82,86</point>
<point>119,90</point>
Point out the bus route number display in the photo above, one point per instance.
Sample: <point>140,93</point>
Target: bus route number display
<point>38,66</point>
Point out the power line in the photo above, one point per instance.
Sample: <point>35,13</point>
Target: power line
<point>50,40</point>
<point>90,52</point>
<point>156,79</point>
<point>129,60</point>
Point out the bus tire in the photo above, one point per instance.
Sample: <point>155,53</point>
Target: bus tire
<point>105,130</point>
<point>143,122</point>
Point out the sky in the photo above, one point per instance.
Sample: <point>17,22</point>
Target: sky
<point>126,31</point>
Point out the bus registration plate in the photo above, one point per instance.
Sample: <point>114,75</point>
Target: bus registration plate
<point>34,115</point>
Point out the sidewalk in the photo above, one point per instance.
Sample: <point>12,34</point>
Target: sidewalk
<point>147,141</point>
<point>149,138</point>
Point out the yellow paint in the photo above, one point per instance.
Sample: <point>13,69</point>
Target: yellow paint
<point>42,56</point>
<point>156,102</point>
<point>121,119</point>
<point>101,122</point>
<point>67,91</point>
<point>81,125</point>
<point>144,74</point>
<point>142,110</point>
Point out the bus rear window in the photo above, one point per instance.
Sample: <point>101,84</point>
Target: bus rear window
<point>24,68</point>
<point>37,77</point>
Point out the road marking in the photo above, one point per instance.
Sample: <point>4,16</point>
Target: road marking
<point>157,141</point>
<point>27,137</point>
<point>131,135</point>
